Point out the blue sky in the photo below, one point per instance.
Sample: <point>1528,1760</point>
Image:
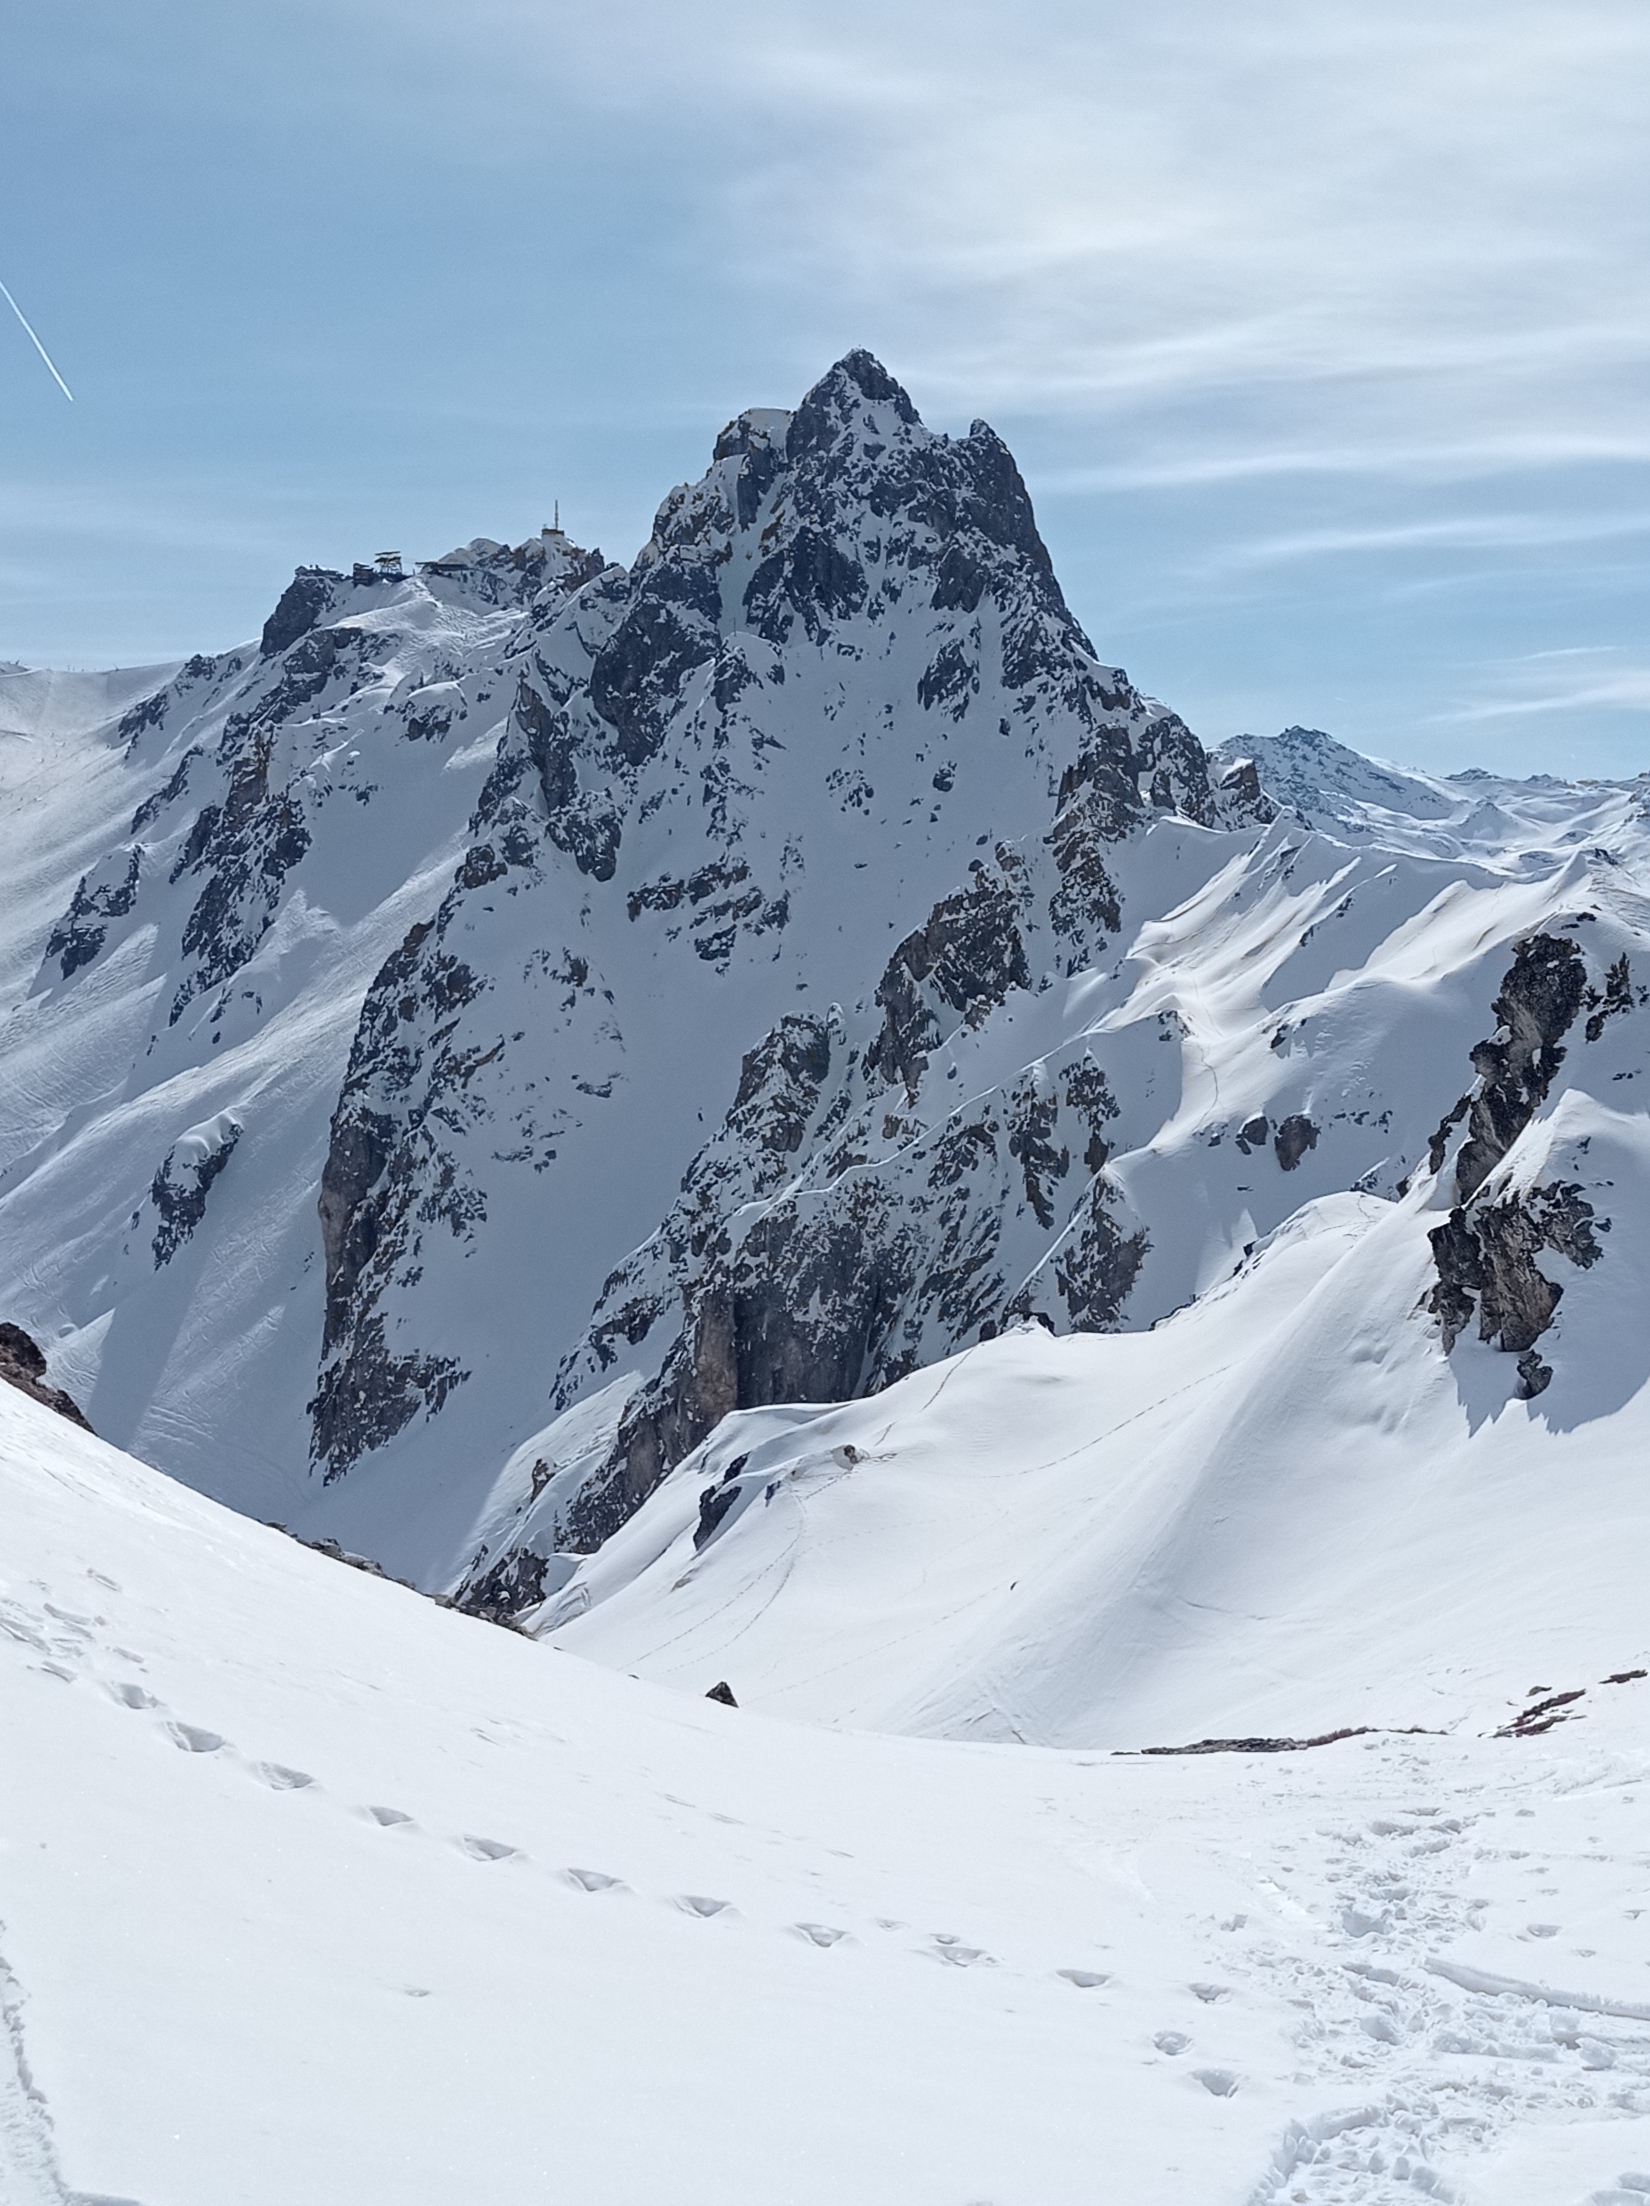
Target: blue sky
<point>1321,330</point>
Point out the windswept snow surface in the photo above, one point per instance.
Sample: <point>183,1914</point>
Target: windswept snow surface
<point>313,1890</point>
<point>1284,1511</point>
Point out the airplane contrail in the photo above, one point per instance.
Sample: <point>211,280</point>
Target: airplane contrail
<point>38,346</point>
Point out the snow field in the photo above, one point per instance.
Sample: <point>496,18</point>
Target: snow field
<point>1282,1511</point>
<point>315,1890</point>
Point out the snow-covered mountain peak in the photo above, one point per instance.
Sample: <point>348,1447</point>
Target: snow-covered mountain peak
<point>1332,785</point>
<point>527,1008</point>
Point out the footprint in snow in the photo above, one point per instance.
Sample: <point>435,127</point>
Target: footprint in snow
<point>956,1955</point>
<point>1220,2083</point>
<point>1208,1993</point>
<point>1086,1980</point>
<point>193,1740</point>
<point>132,1696</point>
<point>389,1819</point>
<point>821,1934</point>
<point>594,1880</point>
<point>1171,2041</point>
<point>279,1778</point>
<point>695,1903</point>
<point>488,1849</point>
<point>1543,1930</point>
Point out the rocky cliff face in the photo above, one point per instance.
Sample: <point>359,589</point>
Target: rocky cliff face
<point>1502,1221</point>
<point>23,1365</point>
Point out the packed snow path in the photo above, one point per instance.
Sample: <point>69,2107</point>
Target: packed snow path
<point>315,1890</point>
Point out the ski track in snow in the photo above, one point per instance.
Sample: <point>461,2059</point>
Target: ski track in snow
<point>29,2173</point>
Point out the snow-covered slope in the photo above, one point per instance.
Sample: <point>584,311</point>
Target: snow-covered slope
<point>1315,1017</point>
<point>1066,1539</point>
<point>1283,1511</point>
<point>200,886</point>
<point>313,1890</point>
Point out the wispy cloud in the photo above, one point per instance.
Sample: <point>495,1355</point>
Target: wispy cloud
<point>1605,678</point>
<point>1392,228</point>
<point>1492,532</point>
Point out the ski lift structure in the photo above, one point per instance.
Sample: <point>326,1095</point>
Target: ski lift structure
<point>552,538</point>
<point>385,567</point>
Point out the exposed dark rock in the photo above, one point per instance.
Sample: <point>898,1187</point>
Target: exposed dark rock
<point>1617,997</point>
<point>584,824</point>
<point>1485,1251</point>
<point>1098,803</point>
<point>367,1396</point>
<point>1252,1133</point>
<point>513,1585</point>
<point>714,1504</point>
<point>356,1157</point>
<point>246,844</point>
<point>180,1188</point>
<point>80,933</point>
<point>153,806</point>
<point>952,679</point>
<point>1095,1270</point>
<point>637,677</point>
<point>1242,781</point>
<point>1539,999</point>
<point>968,957</point>
<point>306,597</point>
<point>23,1365</point>
<point>722,1691</point>
<point>839,1286</point>
<point>1534,1376</point>
<point>379,1193</point>
<point>1439,1143</point>
<point>1295,1135</point>
<point>1285,1746</point>
<point>1531,1722</point>
<point>1488,1251</point>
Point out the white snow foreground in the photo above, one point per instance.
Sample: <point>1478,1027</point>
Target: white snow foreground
<point>313,1890</point>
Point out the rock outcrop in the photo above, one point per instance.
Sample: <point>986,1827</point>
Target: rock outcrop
<point>23,1365</point>
<point>1486,1249</point>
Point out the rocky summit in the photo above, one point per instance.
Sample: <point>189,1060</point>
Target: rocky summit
<point>467,1043</point>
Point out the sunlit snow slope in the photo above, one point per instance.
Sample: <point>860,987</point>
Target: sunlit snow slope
<point>1283,1511</point>
<point>312,1890</point>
